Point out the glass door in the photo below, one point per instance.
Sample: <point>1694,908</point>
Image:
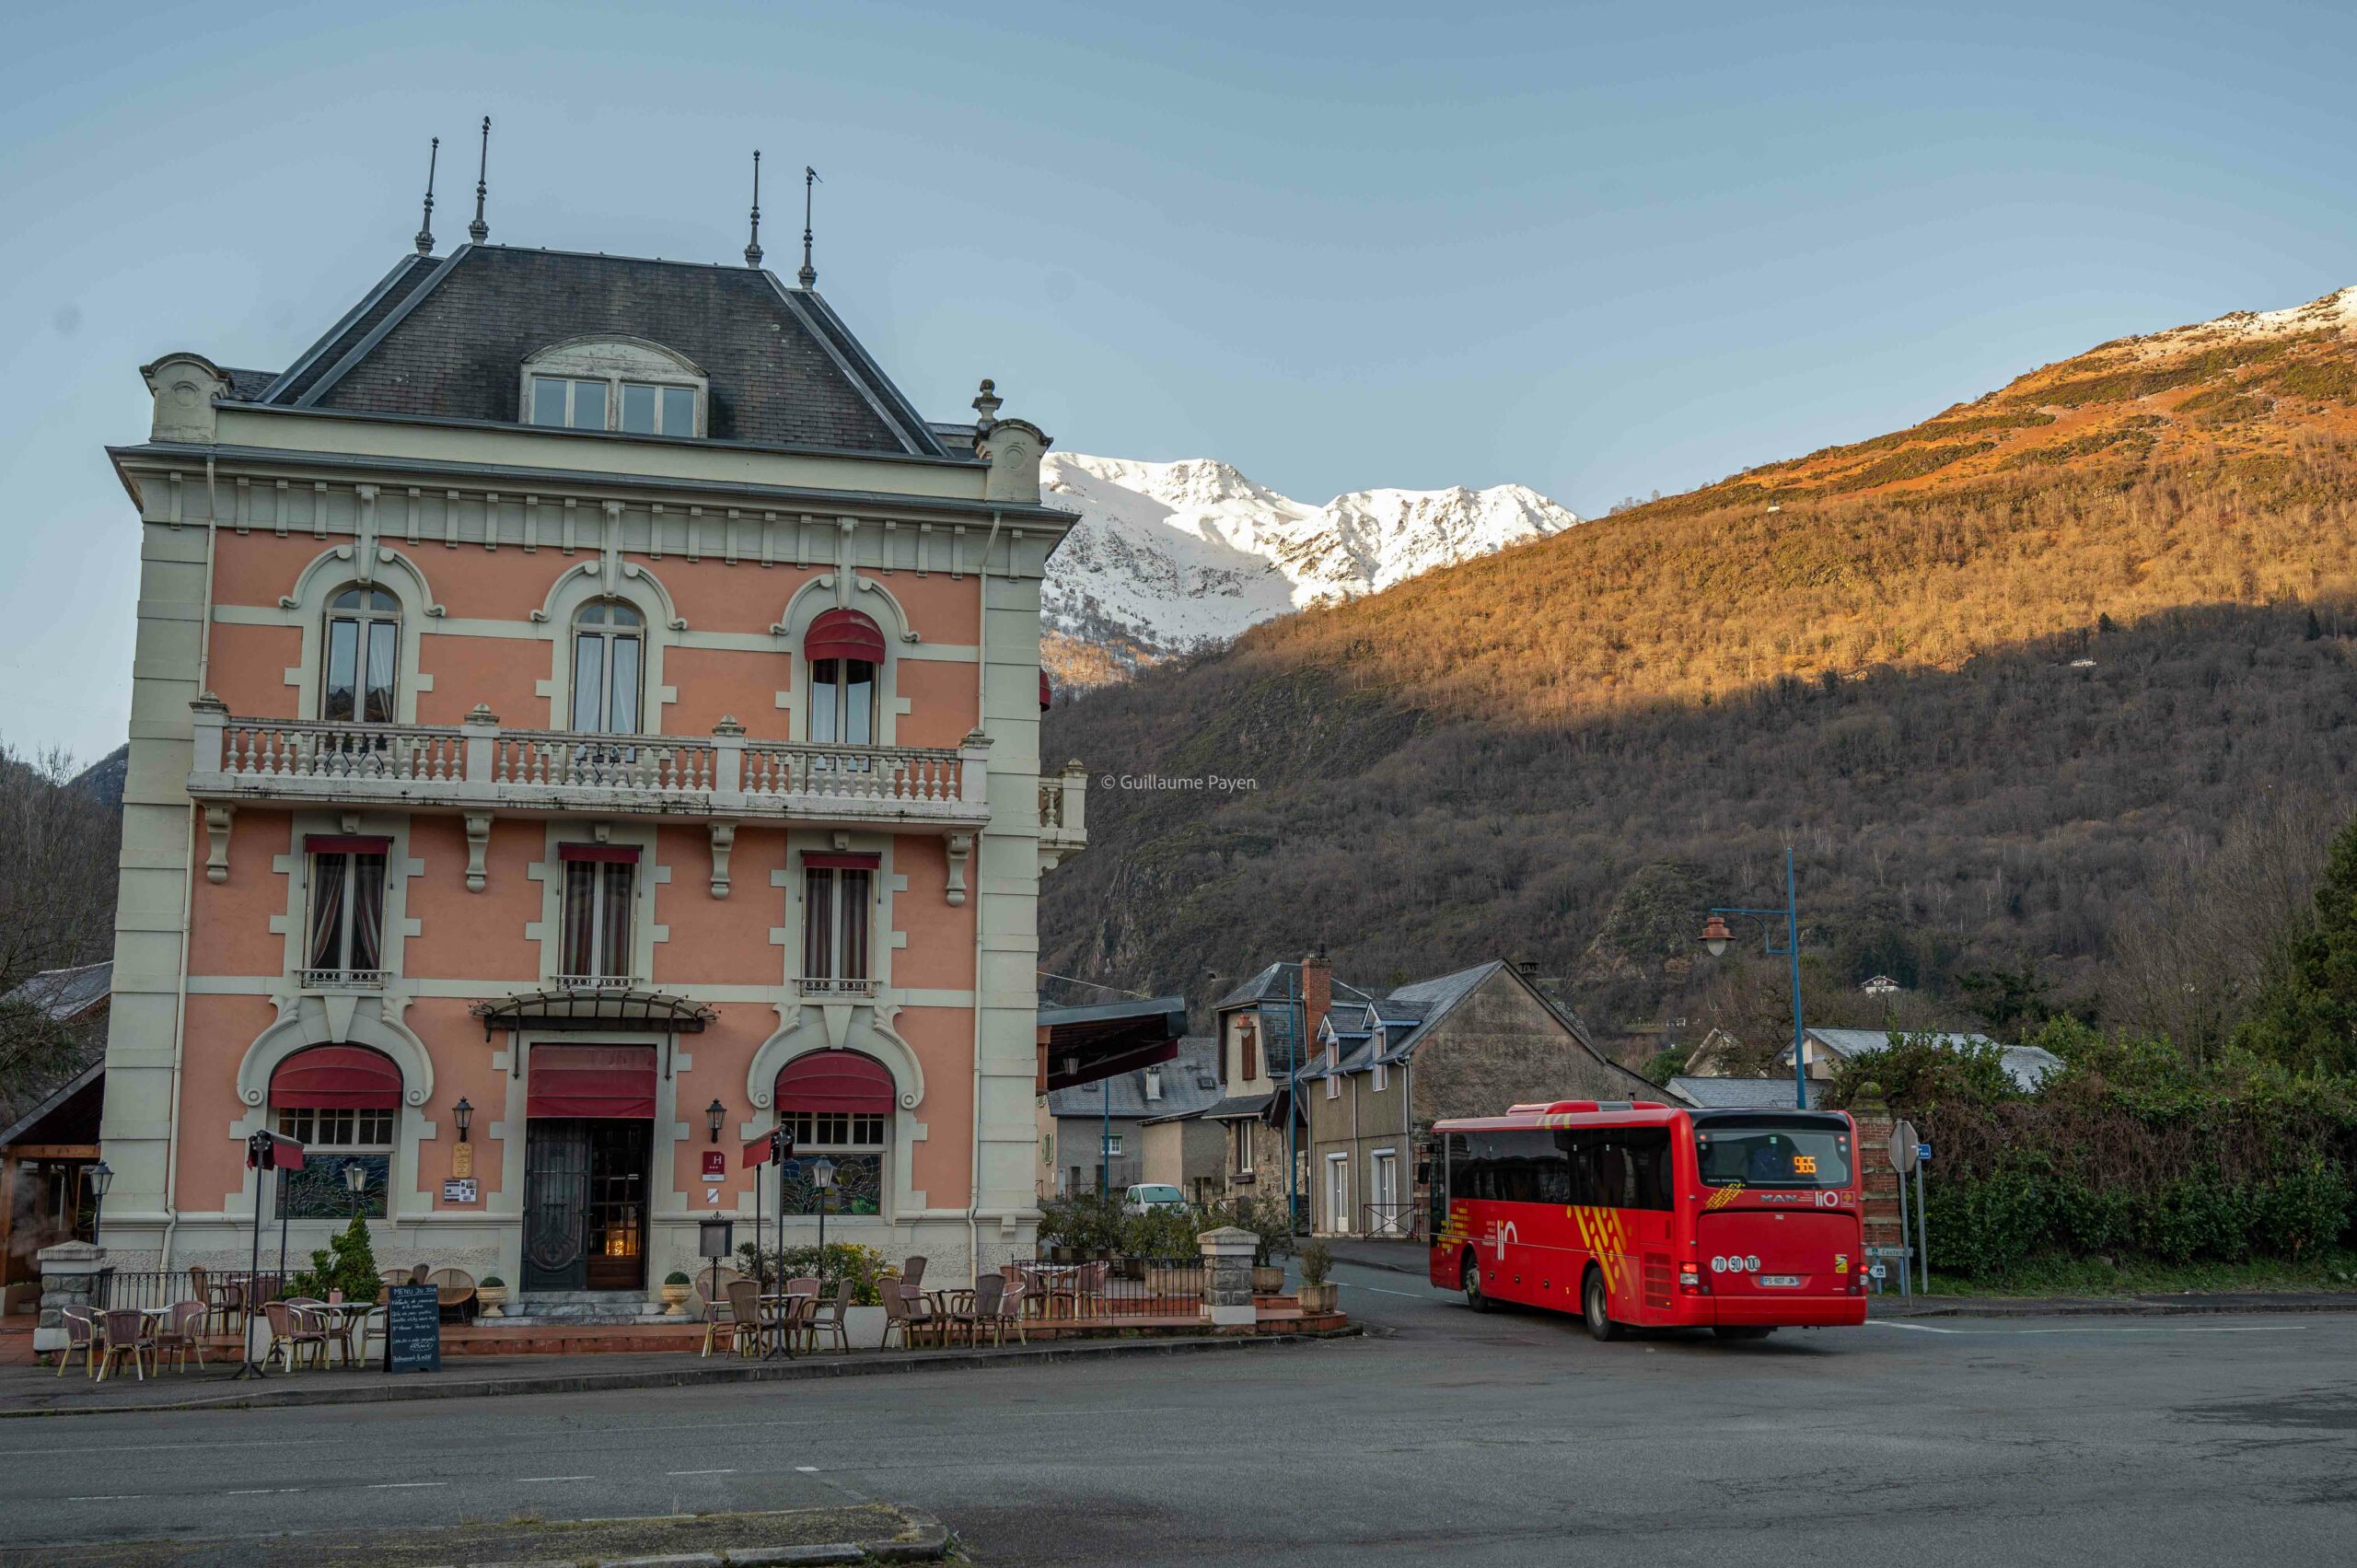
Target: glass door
<point>556,1205</point>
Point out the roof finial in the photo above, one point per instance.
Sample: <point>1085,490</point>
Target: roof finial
<point>426,225</point>
<point>987,403</point>
<point>479,230</point>
<point>753,251</point>
<point>809,276</point>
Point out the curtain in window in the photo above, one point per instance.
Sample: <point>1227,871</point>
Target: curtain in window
<point>579,954</point>
<point>343,670</point>
<point>384,636</point>
<point>825,700</point>
<point>854,925</point>
<point>367,912</point>
<point>613,957</point>
<point>327,894</point>
<point>818,926</point>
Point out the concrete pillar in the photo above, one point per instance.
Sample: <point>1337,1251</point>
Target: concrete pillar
<point>1227,1276</point>
<point>70,1274</point>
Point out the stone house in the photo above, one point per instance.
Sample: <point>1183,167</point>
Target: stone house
<point>1383,1069</point>
<point>1149,1115</point>
<point>585,718</point>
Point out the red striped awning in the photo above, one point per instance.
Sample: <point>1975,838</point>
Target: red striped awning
<point>620,855</point>
<point>336,1077</point>
<point>844,634</point>
<point>345,843</point>
<point>610,1083</point>
<point>835,1080</point>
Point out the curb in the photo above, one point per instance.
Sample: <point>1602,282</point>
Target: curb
<point>760,1372</point>
<point>928,1543</point>
<point>2037,1306</point>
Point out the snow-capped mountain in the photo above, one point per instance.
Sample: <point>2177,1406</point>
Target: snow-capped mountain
<point>1170,557</point>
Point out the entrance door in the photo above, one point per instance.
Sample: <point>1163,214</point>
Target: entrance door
<point>1338,1194</point>
<point>1384,1197</point>
<point>556,1205</point>
<point>617,1217</point>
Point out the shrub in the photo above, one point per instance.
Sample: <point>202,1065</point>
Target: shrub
<point>2303,1210</point>
<point>347,1264</point>
<point>1089,1222</point>
<point>1316,1262</point>
<point>493,1282</point>
<point>676,1278</point>
<point>2201,1216</point>
<point>1979,1228</point>
<point>864,1266</point>
<point>1161,1233</point>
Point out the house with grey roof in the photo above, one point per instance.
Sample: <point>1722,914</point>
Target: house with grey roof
<point>1142,1125</point>
<point>1740,1094</point>
<point>50,1099</point>
<point>2027,1065</point>
<point>1383,1069</point>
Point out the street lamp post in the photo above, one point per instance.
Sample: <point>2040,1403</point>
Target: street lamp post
<point>355,1181</point>
<point>822,1180</point>
<point>1716,937</point>
<point>100,1178</point>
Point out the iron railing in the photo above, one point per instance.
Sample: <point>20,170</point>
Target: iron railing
<point>1389,1222</point>
<point>1126,1287</point>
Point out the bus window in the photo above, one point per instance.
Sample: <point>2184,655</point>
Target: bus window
<point>1767,1151</point>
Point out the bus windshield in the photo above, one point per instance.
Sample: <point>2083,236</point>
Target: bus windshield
<point>1767,1151</point>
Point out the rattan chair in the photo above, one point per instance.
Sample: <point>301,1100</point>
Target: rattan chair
<point>976,1308</point>
<point>827,1316</point>
<point>82,1334</point>
<point>458,1288</point>
<point>906,1310</point>
<point>184,1332</point>
<point>126,1333</point>
<point>718,1323</point>
<point>293,1331</point>
<point>753,1323</point>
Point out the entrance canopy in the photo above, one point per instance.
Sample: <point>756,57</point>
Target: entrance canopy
<point>594,1008</point>
<point>836,1080</point>
<point>1082,1045</point>
<point>613,1083</point>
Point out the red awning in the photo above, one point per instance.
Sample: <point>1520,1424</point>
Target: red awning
<point>1046,691</point>
<point>345,844</point>
<point>844,634</point>
<point>336,1077</point>
<point>623,854</point>
<point>834,862</point>
<point>613,1083</point>
<point>835,1080</point>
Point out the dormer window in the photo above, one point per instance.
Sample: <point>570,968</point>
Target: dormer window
<point>620,384</point>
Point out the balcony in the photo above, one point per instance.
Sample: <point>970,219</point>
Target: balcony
<point>1063,815</point>
<point>828,988</point>
<point>478,767</point>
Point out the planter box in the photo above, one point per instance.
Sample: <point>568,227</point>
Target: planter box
<point>864,1326</point>
<point>1267,1282</point>
<point>1318,1298</point>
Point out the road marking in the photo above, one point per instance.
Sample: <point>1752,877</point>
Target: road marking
<point>807,1470</point>
<point>399,1485</point>
<point>699,1472</point>
<point>1411,1296</point>
<point>536,1480</point>
<point>262,1492</point>
<point>2096,1328</point>
<point>110,1497</point>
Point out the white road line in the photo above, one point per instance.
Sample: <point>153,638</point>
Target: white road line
<point>699,1472</point>
<point>110,1497</point>
<point>262,1492</point>
<point>807,1470</point>
<point>405,1485</point>
<point>1411,1296</point>
<point>536,1480</point>
<point>2097,1328</point>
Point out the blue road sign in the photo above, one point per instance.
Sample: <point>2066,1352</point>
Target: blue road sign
<point>1923,1151</point>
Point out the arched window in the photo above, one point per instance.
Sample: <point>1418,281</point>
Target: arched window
<point>340,1102</point>
<point>845,651</point>
<point>360,650</point>
<point>608,647</point>
<point>839,1104</point>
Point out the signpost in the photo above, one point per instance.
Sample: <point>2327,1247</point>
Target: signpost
<point>1903,1160</point>
<point>1922,1232</point>
<point>414,1329</point>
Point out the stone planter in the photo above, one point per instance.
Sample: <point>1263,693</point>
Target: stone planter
<point>1163,1280</point>
<point>675,1300</point>
<point>1267,1280</point>
<point>862,1326</point>
<point>1318,1298</point>
<point>491,1298</point>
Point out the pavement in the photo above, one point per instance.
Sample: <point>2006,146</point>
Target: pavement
<point>1442,1436</point>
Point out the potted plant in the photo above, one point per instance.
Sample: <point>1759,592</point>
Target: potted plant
<point>493,1294</point>
<point>677,1287</point>
<point>1266,1218</point>
<point>1317,1294</point>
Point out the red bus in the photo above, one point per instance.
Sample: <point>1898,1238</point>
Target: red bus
<point>1636,1214</point>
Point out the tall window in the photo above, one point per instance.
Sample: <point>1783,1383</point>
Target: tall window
<point>609,641</point>
<point>834,926</point>
<point>842,701</point>
<point>347,923</point>
<point>598,906</point>
<point>332,1140</point>
<point>363,638</point>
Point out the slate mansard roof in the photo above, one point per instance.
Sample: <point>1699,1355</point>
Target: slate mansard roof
<point>447,338</point>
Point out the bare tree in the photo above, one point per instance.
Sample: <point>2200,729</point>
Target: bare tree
<point>58,849</point>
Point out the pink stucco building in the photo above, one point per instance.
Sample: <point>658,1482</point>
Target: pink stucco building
<point>584,715</point>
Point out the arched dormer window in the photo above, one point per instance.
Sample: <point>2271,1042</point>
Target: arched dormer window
<point>608,657</point>
<point>845,652</point>
<point>361,648</point>
<point>621,383</point>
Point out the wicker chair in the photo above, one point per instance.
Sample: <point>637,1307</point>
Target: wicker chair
<point>827,1318</point>
<point>753,1324</point>
<point>906,1310</point>
<point>293,1332</point>
<point>458,1288</point>
<point>1011,1305</point>
<point>82,1334</point>
<point>976,1309</point>
<point>712,1293</point>
<point>219,1299</point>
<point>126,1333</point>
<point>184,1330</point>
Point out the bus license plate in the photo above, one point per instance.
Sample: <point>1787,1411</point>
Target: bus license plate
<point>1788,1281</point>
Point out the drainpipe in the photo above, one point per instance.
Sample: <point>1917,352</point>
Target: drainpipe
<point>188,900</point>
<point>981,698</point>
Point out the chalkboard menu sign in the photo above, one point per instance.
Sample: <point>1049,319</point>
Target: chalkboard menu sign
<point>414,1329</point>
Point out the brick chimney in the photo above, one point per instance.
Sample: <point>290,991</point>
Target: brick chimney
<point>1316,996</point>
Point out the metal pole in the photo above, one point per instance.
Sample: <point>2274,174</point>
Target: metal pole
<point>1293,1094</point>
<point>250,1367</point>
<point>278,1196</point>
<point>761,1274</point>
<point>1922,1232</point>
<point>1906,1259</point>
<point>1104,1145</point>
<point>1793,945</point>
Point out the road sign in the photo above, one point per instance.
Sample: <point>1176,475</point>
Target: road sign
<point>1923,1154</point>
<point>1903,1147</point>
<point>1898,1253</point>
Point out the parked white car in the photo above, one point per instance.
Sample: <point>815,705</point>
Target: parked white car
<point>1147,1196</point>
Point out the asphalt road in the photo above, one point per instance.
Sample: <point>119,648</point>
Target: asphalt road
<point>1445,1436</point>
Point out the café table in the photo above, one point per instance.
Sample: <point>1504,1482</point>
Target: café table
<point>353,1314</point>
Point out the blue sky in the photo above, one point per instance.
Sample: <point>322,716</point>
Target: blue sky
<point>1599,251</point>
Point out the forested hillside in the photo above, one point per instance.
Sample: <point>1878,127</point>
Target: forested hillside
<point>2007,713</point>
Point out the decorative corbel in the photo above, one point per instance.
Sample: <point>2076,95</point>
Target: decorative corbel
<point>961,848</point>
<point>724,838</point>
<point>478,841</point>
<point>216,829</point>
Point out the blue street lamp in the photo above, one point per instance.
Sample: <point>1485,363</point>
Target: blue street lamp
<point>1715,936</point>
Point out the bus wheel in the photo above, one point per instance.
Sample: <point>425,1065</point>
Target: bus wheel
<point>1742,1331</point>
<point>1468,1279</point>
<point>1600,1325</point>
